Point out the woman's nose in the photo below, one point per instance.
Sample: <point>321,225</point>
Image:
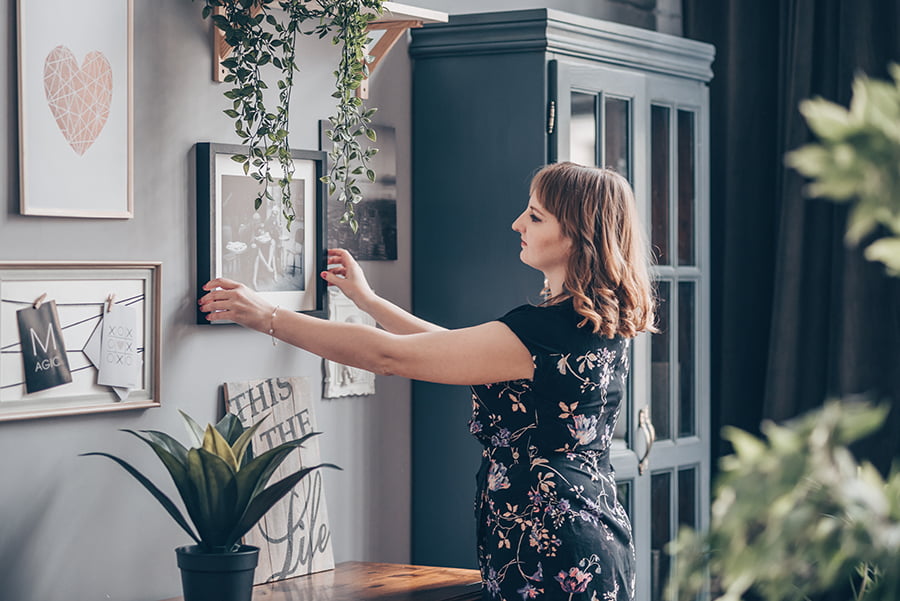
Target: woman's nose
<point>515,224</point>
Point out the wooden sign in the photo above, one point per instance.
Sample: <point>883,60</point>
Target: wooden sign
<point>294,537</point>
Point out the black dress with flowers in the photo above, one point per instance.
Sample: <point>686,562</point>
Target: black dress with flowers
<point>549,524</point>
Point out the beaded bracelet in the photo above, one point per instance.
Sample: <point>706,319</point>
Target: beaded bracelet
<point>272,325</point>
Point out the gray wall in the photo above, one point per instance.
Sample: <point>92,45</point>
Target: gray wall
<point>79,529</point>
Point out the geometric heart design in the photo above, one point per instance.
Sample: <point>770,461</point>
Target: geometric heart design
<point>78,98</point>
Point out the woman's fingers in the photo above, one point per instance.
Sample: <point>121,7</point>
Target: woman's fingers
<point>219,316</point>
<point>224,283</point>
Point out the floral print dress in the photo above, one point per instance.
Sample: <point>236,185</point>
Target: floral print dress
<point>549,524</point>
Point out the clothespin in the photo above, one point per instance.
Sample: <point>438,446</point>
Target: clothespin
<point>40,299</point>
<point>109,302</point>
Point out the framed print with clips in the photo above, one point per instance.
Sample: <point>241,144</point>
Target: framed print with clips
<point>78,337</point>
<point>255,247</point>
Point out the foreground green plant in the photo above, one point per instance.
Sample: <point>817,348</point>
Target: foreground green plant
<point>857,160</point>
<point>222,486</point>
<point>263,33</point>
<point>795,514</point>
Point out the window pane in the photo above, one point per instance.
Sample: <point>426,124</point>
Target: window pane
<point>616,136</point>
<point>660,414</point>
<point>583,129</point>
<point>687,497</point>
<point>686,188</point>
<point>626,407</point>
<point>660,532</point>
<point>623,495</point>
<point>659,181</point>
<point>687,336</point>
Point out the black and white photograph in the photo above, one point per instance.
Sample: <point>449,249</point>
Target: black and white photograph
<point>255,246</point>
<point>376,213</point>
<point>258,248</point>
<point>344,380</point>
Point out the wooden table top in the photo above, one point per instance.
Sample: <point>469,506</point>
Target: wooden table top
<point>363,581</point>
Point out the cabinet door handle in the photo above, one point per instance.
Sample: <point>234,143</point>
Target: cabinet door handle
<point>551,117</point>
<point>646,427</point>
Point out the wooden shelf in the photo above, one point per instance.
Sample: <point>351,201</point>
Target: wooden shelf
<point>358,581</point>
<point>386,30</point>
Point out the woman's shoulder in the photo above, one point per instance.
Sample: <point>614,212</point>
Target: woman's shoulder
<point>553,328</point>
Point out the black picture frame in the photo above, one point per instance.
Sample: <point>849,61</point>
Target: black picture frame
<point>255,247</point>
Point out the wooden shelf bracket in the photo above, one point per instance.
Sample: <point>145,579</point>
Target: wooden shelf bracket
<point>387,30</point>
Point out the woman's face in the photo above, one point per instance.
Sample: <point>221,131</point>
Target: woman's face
<point>544,246</point>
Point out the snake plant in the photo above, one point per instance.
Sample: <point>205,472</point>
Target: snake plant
<point>222,486</point>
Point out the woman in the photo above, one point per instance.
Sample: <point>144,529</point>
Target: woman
<point>546,380</point>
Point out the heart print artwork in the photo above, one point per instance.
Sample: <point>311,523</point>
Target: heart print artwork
<point>79,98</point>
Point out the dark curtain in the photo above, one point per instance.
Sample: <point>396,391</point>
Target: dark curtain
<point>797,316</point>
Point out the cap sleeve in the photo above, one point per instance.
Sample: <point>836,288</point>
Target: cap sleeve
<point>543,330</point>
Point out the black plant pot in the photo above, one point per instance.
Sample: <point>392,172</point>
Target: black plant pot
<point>217,576</point>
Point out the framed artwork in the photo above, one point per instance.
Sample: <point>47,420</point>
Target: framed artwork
<point>376,213</point>
<point>83,299</point>
<point>255,247</point>
<point>294,537</point>
<point>75,108</point>
<point>343,380</point>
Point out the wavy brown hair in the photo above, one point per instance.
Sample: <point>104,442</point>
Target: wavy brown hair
<point>608,274</point>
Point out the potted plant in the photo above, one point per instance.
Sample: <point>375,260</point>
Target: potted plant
<point>225,491</point>
<point>262,35</point>
<point>795,515</point>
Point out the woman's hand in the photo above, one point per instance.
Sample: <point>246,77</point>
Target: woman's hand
<point>345,273</point>
<point>229,300</point>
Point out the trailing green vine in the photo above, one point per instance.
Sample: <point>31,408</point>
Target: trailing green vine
<point>347,158</point>
<point>263,39</point>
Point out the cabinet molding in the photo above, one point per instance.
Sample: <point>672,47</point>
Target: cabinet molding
<point>552,31</point>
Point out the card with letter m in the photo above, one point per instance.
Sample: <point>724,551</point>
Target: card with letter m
<point>43,348</point>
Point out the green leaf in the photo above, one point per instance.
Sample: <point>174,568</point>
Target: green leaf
<point>159,495</point>
<point>230,428</point>
<point>163,440</point>
<point>828,120</point>
<point>216,490</point>
<point>810,160</point>
<point>264,501</point>
<point>887,251</point>
<point>254,475</point>
<point>193,428</point>
<point>174,457</point>
<point>241,445</point>
<point>215,444</point>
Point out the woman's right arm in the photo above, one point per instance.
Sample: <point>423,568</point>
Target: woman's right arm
<point>345,273</point>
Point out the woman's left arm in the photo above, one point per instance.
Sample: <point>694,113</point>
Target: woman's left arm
<point>481,354</point>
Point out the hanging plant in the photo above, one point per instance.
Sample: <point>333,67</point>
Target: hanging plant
<point>262,38</point>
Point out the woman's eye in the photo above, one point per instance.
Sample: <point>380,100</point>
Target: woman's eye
<point>534,218</point>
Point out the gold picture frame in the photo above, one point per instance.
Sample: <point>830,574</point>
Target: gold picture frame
<point>76,124</point>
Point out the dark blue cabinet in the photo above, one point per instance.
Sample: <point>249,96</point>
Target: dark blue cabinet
<point>495,97</point>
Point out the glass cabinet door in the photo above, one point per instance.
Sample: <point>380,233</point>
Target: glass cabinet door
<point>648,129</point>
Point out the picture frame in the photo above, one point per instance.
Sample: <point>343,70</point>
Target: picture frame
<point>254,247</point>
<point>82,292</point>
<point>343,380</point>
<point>295,536</point>
<point>75,92</point>
<point>376,213</point>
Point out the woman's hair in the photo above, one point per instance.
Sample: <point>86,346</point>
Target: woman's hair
<point>608,273</point>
